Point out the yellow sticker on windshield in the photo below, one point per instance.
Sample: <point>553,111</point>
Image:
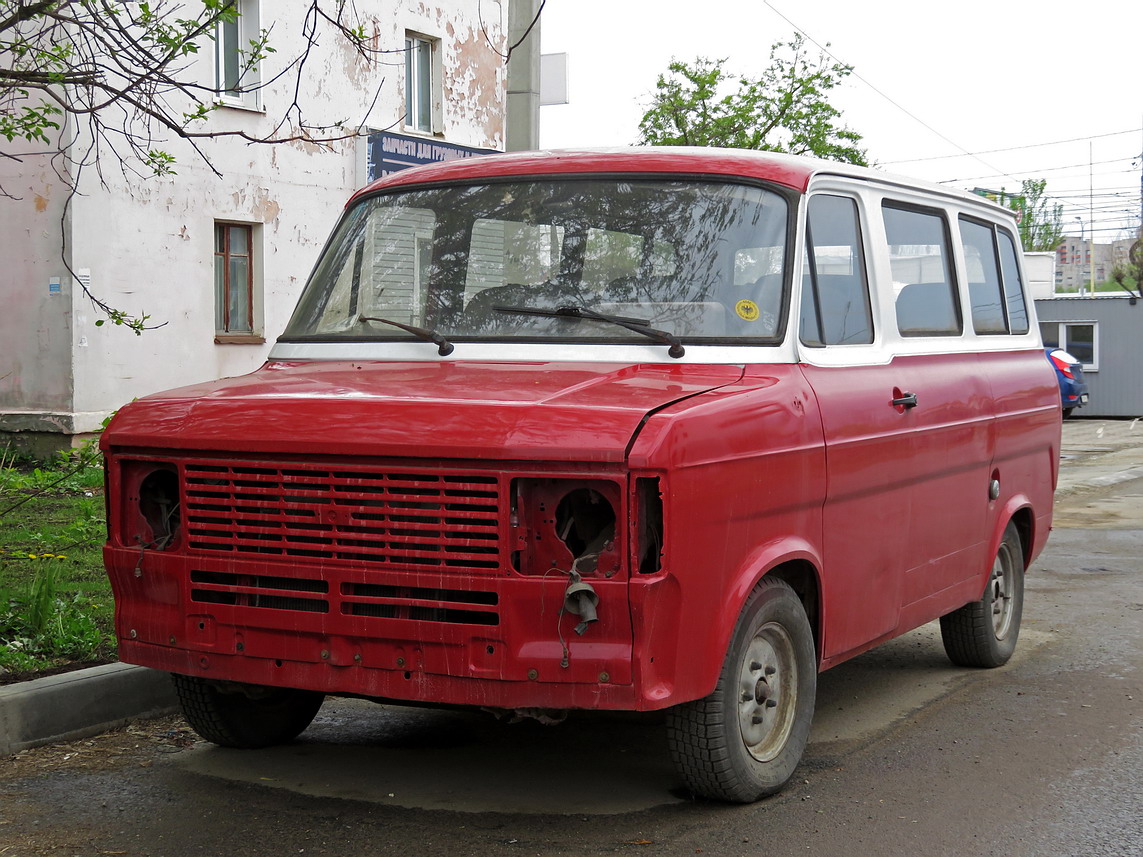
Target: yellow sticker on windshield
<point>747,310</point>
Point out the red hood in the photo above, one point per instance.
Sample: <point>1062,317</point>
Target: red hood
<point>551,411</point>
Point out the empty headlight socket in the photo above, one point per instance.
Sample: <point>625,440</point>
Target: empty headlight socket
<point>561,522</point>
<point>152,513</point>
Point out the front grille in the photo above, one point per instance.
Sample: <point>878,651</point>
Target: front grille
<point>371,600</point>
<point>451,606</point>
<point>387,518</point>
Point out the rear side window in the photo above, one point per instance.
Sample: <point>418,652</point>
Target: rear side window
<point>994,284</point>
<point>835,295</point>
<point>982,267</point>
<point>1013,286</point>
<point>922,272</point>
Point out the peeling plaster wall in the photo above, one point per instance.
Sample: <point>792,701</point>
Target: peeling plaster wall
<point>149,244</point>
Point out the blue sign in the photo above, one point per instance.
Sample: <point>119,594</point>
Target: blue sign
<point>390,152</point>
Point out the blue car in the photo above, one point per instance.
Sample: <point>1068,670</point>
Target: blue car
<point>1069,372</point>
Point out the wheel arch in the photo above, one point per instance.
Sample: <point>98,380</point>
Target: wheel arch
<point>805,579</point>
<point>1019,511</point>
<point>794,561</point>
<point>1025,523</point>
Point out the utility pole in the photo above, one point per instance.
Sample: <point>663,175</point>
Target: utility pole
<point>523,133</point>
<point>1091,208</point>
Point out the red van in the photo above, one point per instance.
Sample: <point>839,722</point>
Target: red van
<point>643,429</point>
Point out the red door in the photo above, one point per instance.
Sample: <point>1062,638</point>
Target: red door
<point>868,507</point>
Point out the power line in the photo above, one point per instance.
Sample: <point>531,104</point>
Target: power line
<point>1042,170</point>
<point>965,153</point>
<point>1020,148</point>
<point>824,49</point>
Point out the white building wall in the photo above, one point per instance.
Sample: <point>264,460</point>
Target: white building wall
<point>35,321</point>
<point>148,245</point>
<point>1040,268</point>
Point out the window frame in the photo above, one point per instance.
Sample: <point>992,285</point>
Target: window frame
<point>962,221</point>
<point>314,300</point>
<point>224,334</point>
<point>1062,339</point>
<point>998,236</point>
<point>810,265</point>
<point>950,264</point>
<point>411,120</point>
<point>250,79</point>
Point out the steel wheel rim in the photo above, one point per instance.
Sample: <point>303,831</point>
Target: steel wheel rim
<point>1000,592</point>
<point>767,692</point>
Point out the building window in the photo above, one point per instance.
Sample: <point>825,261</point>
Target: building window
<point>234,282</point>
<point>421,81</point>
<point>237,76</point>
<point>1079,338</point>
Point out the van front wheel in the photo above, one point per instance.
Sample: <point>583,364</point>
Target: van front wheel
<point>984,633</point>
<point>744,741</point>
<point>245,716</point>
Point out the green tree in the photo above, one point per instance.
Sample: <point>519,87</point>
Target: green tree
<point>786,109</point>
<point>95,83</point>
<point>1129,275</point>
<point>1041,221</point>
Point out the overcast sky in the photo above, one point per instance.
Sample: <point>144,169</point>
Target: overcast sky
<point>930,81</point>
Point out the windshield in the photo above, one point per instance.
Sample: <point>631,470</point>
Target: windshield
<point>697,260</point>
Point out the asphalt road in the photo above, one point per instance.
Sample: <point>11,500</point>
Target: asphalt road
<point>909,755</point>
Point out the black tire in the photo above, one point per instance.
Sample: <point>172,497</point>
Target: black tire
<point>984,633</point>
<point>1068,412</point>
<point>745,740</point>
<point>247,716</point>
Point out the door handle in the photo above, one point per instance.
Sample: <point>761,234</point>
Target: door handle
<point>904,400</point>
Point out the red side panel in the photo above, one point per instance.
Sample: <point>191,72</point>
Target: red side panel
<point>745,482</point>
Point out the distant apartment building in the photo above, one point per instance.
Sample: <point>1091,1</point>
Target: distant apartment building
<point>219,260</point>
<point>1075,257</point>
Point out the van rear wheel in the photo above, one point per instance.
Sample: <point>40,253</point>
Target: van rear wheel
<point>245,716</point>
<point>984,633</point>
<point>744,741</point>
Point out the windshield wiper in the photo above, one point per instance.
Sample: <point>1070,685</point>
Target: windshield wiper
<point>444,347</point>
<point>638,325</point>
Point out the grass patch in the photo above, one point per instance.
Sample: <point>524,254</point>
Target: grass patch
<point>56,608</point>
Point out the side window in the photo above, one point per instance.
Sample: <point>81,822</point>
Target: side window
<point>983,271</point>
<point>835,294</point>
<point>922,272</point>
<point>1013,287</point>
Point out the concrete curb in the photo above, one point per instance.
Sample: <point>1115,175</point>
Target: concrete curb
<point>80,704</point>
